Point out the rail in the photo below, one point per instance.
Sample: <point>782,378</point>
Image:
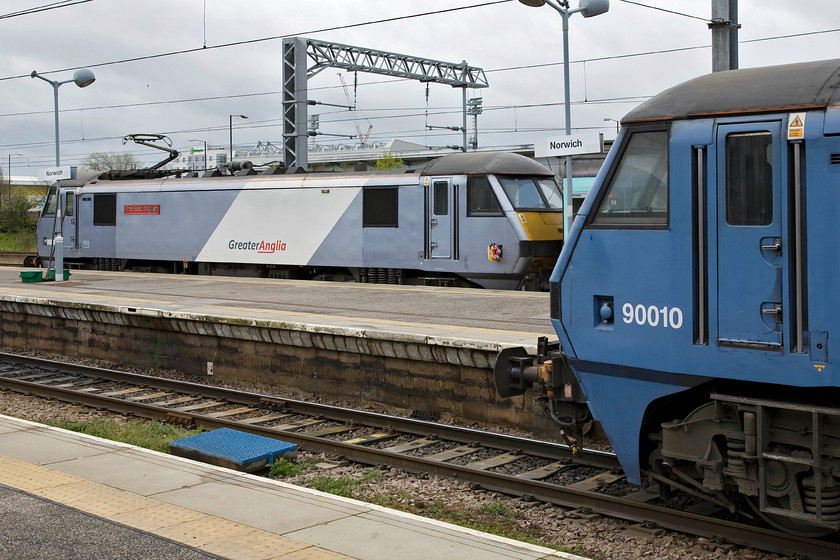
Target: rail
<point>375,438</point>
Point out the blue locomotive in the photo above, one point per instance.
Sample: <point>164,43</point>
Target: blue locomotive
<point>695,299</point>
<point>478,219</point>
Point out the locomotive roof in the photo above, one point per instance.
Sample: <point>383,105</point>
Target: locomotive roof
<point>807,85</point>
<point>498,163</point>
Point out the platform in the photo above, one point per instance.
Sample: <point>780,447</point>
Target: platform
<point>409,348</point>
<point>472,317</point>
<point>65,493</point>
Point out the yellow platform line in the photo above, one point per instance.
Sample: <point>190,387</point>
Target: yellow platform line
<point>196,529</point>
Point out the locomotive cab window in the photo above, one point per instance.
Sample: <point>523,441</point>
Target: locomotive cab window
<point>49,205</point>
<point>380,207</point>
<point>527,193</point>
<point>551,193</point>
<point>637,191</point>
<point>749,179</point>
<point>441,202</point>
<point>69,204</point>
<point>481,200</point>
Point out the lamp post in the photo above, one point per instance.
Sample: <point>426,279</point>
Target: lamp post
<point>205,150</point>
<point>82,78</point>
<point>9,178</point>
<point>616,121</point>
<point>587,8</point>
<point>231,133</point>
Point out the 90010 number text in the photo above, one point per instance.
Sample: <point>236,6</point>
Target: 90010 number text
<point>650,315</point>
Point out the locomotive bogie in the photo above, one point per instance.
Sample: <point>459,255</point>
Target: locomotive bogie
<point>785,454</point>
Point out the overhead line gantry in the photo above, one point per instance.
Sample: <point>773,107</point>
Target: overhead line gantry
<point>325,54</point>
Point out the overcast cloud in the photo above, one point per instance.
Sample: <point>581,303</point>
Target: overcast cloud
<point>189,96</point>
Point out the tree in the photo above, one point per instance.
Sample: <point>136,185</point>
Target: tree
<point>109,161</point>
<point>389,161</point>
<point>5,187</point>
<point>13,215</point>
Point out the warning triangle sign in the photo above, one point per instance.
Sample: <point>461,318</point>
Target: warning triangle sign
<point>797,122</point>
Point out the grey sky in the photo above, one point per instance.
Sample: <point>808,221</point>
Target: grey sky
<point>520,106</point>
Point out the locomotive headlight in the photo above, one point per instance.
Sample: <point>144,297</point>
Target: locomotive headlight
<point>606,312</point>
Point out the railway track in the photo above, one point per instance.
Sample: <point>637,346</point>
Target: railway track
<point>543,470</point>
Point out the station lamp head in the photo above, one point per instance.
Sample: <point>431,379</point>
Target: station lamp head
<point>83,77</point>
<point>589,8</point>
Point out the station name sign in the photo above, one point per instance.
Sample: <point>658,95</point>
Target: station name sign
<point>57,173</point>
<point>570,145</point>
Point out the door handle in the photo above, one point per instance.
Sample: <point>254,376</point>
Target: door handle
<point>776,247</point>
<point>775,310</point>
<point>433,222</point>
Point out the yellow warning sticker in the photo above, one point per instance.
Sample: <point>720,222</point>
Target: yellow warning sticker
<point>796,126</point>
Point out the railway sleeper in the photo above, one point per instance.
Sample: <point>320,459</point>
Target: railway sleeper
<point>497,461</point>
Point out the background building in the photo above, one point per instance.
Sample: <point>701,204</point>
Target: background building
<point>193,158</point>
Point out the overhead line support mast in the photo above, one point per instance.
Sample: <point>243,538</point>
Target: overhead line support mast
<point>324,54</point>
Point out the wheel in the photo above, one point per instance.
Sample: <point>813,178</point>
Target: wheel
<point>789,525</point>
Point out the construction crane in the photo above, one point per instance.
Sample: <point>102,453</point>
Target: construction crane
<point>363,137</point>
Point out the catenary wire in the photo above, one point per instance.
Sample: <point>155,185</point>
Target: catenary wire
<point>44,8</point>
<point>394,80</point>
<point>665,10</point>
<point>263,39</point>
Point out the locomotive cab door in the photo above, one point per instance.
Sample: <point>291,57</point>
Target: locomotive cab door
<point>441,218</point>
<point>69,223</point>
<point>750,239</point>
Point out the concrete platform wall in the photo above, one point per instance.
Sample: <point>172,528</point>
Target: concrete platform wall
<point>360,370</point>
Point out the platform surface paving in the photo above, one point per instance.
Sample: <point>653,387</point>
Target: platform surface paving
<point>177,508</point>
<point>480,318</point>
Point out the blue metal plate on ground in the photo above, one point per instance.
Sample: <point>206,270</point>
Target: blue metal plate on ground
<point>231,448</point>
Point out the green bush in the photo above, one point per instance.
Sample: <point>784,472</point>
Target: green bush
<point>389,161</point>
<point>18,242</point>
<point>282,468</point>
<point>13,217</point>
<point>142,433</point>
<point>340,486</point>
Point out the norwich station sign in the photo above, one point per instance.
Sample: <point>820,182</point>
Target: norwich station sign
<point>571,145</point>
<point>57,173</point>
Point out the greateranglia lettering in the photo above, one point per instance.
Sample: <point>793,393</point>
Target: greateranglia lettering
<point>258,246</point>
